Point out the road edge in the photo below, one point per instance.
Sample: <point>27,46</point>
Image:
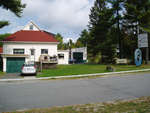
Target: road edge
<point>73,76</point>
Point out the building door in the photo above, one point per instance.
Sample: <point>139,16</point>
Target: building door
<point>13,65</point>
<point>78,57</point>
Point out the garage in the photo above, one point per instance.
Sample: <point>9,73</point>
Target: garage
<point>78,57</point>
<point>13,65</point>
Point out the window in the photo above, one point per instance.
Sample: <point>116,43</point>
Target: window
<point>44,51</point>
<point>18,51</point>
<point>32,51</point>
<point>61,56</point>
<point>31,27</point>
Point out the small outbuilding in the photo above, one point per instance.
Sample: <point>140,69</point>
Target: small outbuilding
<point>79,55</point>
<point>63,56</point>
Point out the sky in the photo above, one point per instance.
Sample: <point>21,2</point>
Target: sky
<point>67,17</point>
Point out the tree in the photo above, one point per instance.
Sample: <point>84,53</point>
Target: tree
<point>101,22</point>
<point>71,43</point>
<point>3,36</point>
<point>117,7</point>
<point>78,44</point>
<point>137,19</point>
<point>83,38</point>
<point>60,39</point>
<point>137,15</point>
<point>66,46</point>
<point>14,6</point>
<point>129,45</point>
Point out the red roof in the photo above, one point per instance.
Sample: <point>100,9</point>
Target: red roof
<point>31,36</point>
<point>1,50</point>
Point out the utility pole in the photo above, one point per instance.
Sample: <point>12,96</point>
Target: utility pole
<point>147,55</point>
<point>70,51</point>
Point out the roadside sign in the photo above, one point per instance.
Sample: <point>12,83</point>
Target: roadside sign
<point>142,40</point>
<point>138,57</point>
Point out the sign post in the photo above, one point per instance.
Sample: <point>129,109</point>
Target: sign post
<point>143,40</point>
<point>143,43</point>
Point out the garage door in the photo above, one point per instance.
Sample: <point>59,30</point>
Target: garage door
<point>14,65</point>
<point>78,57</point>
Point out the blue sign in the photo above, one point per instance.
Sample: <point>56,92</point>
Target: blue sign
<point>138,57</point>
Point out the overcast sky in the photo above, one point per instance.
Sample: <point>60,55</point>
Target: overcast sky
<point>67,17</point>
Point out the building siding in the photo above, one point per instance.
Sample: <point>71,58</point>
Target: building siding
<point>52,49</point>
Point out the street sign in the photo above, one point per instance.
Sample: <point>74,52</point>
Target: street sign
<point>138,57</point>
<point>142,40</point>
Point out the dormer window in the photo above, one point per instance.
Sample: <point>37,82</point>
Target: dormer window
<point>31,27</point>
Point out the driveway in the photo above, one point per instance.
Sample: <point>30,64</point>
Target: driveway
<point>11,76</point>
<point>47,93</point>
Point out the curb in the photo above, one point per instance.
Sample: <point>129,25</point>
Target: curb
<point>73,76</point>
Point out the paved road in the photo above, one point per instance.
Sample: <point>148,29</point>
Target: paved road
<point>35,94</point>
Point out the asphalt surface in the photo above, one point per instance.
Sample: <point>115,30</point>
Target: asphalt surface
<point>48,93</point>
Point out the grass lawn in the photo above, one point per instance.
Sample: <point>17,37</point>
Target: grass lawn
<point>77,69</point>
<point>141,105</point>
<point>1,73</point>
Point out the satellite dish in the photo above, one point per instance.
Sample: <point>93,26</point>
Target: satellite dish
<point>138,57</point>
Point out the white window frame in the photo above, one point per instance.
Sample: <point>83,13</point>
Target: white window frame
<point>61,56</point>
<point>44,51</point>
<point>32,51</point>
<point>31,27</point>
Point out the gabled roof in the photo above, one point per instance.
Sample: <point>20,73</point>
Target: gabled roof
<point>50,33</point>
<point>31,36</point>
<point>35,27</point>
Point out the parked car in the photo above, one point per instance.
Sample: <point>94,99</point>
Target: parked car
<point>28,69</point>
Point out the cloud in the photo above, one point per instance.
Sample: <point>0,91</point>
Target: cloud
<point>14,25</point>
<point>63,16</point>
<point>17,28</point>
<point>67,40</point>
<point>68,17</point>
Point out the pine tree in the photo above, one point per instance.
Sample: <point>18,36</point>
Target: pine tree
<point>137,15</point>
<point>117,7</point>
<point>137,20</point>
<point>83,37</point>
<point>101,22</point>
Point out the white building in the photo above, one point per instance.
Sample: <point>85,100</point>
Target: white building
<point>79,55</point>
<point>63,56</point>
<point>31,44</point>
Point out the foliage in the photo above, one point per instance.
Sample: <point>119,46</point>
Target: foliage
<point>115,22</point>
<point>82,40</point>
<point>60,39</point>
<point>3,36</point>
<point>136,20</point>
<point>101,22</point>
<point>14,6</point>
<point>138,13</point>
<point>129,44</point>
<point>71,44</point>
<point>66,45</point>
<point>3,23</point>
<point>109,49</point>
<point>78,44</point>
